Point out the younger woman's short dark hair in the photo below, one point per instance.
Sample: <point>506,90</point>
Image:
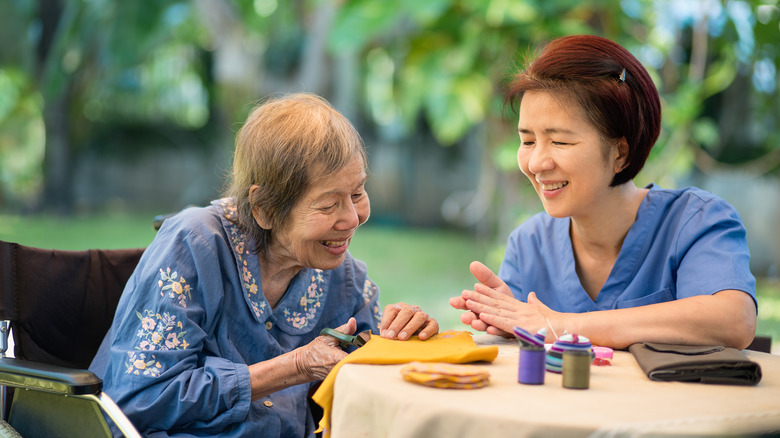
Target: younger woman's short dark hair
<point>611,87</point>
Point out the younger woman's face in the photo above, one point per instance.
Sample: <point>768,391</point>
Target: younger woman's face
<point>564,156</point>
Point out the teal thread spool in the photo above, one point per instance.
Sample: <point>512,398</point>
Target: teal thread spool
<point>576,369</point>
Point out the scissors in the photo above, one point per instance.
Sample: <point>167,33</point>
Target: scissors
<point>345,340</point>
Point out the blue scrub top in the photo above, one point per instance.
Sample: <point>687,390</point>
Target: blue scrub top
<point>684,243</point>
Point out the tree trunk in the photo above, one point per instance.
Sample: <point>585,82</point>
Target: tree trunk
<point>57,163</point>
<point>57,193</point>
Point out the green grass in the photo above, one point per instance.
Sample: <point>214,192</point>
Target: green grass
<point>423,267</point>
<point>76,233</point>
<point>417,266</point>
<point>768,293</point>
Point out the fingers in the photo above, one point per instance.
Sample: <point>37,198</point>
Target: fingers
<point>458,303</point>
<point>480,325</point>
<point>498,332</point>
<point>484,275</point>
<point>388,316</point>
<point>499,314</point>
<point>496,323</point>
<point>496,313</point>
<point>349,327</point>
<point>488,297</point>
<point>429,329</point>
<point>406,321</point>
<point>402,321</point>
<point>468,316</point>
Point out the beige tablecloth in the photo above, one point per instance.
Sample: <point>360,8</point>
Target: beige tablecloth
<point>375,401</point>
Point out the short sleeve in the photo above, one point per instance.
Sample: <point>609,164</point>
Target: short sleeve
<point>713,251</point>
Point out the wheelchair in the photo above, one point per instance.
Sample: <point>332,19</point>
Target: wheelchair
<point>58,305</point>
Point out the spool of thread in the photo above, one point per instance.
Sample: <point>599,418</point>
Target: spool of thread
<point>531,365</point>
<point>576,369</point>
<point>603,356</point>
<point>569,341</point>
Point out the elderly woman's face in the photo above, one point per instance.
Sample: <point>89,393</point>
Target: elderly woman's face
<point>563,156</point>
<point>323,221</point>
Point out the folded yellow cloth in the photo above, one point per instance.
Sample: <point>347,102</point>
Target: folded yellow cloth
<point>449,346</point>
<point>445,375</point>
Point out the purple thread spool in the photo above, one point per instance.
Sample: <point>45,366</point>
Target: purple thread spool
<point>531,368</point>
<point>531,365</point>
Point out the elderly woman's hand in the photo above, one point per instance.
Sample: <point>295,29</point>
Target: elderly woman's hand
<point>314,360</point>
<point>402,320</point>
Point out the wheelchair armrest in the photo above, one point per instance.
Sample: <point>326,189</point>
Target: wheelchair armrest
<point>38,376</point>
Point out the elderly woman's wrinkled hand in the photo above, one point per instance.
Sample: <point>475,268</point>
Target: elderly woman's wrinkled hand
<point>402,321</point>
<point>315,359</point>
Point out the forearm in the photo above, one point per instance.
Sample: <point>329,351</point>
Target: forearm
<point>276,374</point>
<point>727,318</point>
<point>305,364</point>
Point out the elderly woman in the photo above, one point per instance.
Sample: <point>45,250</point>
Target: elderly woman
<point>218,330</point>
<point>606,259</point>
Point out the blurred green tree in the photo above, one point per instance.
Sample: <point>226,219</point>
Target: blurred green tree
<point>74,73</point>
<point>78,64</point>
<point>444,60</point>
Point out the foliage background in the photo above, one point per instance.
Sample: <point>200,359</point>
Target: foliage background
<point>111,106</point>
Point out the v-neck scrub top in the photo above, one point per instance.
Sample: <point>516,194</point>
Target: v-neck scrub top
<point>684,243</point>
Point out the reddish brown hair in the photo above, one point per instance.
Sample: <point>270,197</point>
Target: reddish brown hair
<point>589,70</point>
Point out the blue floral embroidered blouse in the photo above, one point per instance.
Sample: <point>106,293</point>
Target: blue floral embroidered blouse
<point>192,318</point>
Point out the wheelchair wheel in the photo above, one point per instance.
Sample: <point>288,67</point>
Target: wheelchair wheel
<point>8,431</point>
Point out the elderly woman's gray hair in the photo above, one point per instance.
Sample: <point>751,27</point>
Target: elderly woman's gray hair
<point>285,143</point>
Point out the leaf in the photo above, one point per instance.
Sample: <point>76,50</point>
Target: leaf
<point>358,22</point>
<point>720,76</point>
<point>456,106</point>
<point>426,12</point>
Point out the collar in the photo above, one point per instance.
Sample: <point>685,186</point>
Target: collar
<point>301,306</point>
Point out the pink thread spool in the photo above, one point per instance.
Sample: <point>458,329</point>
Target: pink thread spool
<point>603,356</point>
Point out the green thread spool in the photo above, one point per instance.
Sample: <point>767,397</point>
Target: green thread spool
<point>576,369</point>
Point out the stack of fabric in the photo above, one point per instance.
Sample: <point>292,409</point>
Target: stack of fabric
<point>445,375</point>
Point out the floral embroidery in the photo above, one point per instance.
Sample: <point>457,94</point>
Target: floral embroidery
<point>238,241</point>
<point>158,332</point>
<point>137,364</point>
<point>176,286</point>
<point>369,293</point>
<point>309,302</point>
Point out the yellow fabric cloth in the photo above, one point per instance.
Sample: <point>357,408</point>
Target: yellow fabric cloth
<point>449,346</point>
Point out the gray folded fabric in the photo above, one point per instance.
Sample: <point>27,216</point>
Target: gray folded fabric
<point>691,363</point>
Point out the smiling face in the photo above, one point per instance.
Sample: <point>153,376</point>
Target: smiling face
<point>564,156</point>
<point>322,223</point>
